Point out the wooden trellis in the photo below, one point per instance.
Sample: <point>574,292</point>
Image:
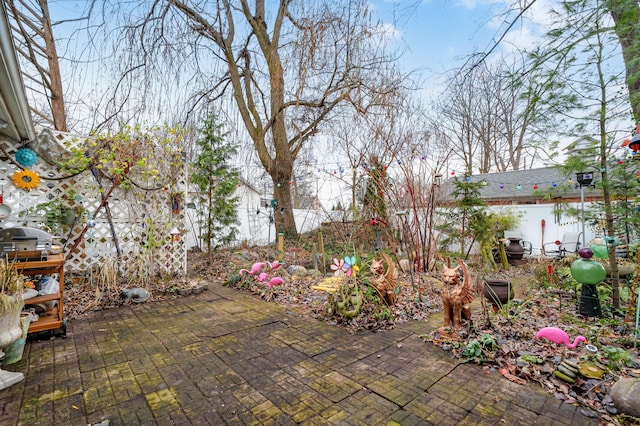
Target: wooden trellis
<point>142,219</point>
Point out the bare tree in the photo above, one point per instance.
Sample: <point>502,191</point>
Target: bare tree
<point>581,63</point>
<point>626,15</point>
<point>288,69</point>
<point>492,119</point>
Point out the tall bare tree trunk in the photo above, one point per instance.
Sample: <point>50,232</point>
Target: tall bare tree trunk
<point>626,15</point>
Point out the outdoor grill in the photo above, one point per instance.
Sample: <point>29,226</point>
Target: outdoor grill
<point>24,243</point>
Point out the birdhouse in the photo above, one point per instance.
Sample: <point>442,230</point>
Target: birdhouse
<point>175,235</point>
<point>634,143</point>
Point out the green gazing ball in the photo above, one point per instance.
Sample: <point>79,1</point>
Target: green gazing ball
<point>587,271</point>
<point>599,251</point>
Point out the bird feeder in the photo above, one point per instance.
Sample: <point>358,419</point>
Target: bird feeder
<point>634,143</point>
<point>175,235</point>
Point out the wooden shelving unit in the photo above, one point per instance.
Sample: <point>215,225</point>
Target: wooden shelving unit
<point>54,318</point>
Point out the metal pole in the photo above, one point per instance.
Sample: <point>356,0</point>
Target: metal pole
<point>584,242</point>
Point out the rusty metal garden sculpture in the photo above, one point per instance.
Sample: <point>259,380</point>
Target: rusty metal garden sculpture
<point>457,295</point>
<point>384,279</point>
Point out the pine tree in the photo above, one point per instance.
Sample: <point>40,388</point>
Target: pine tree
<point>217,181</point>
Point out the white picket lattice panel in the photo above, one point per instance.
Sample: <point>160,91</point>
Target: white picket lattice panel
<point>142,219</point>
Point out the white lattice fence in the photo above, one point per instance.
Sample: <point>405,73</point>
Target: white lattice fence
<point>142,219</point>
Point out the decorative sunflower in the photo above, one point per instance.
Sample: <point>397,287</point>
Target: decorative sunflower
<point>25,179</point>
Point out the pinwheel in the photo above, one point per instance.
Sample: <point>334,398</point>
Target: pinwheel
<point>337,267</point>
<point>350,267</point>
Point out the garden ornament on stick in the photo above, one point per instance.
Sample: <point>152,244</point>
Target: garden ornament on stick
<point>457,295</point>
<point>273,282</point>
<point>559,336</point>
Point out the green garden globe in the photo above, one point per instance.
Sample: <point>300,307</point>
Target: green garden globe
<point>587,271</point>
<point>599,251</point>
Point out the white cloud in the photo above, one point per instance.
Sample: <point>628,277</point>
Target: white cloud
<point>388,32</point>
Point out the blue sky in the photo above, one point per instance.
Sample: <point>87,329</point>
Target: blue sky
<point>439,34</point>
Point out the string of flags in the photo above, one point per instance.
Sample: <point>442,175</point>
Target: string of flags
<point>338,171</point>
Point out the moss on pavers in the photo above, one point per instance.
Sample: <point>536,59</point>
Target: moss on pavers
<point>150,381</point>
<point>395,389</point>
<point>363,373</point>
<point>265,411</point>
<point>305,416</point>
<point>162,402</point>
<point>464,396</point>
<point>436,410</point>
<point>315,400</point>
<point>262,364</point>
<point>423,373</point>
<point>335,386</point>
<point>95,399</point>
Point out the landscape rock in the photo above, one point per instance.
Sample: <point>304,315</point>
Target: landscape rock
<point>626,396</point>
<point>297,271</point>
<point>314,273</point>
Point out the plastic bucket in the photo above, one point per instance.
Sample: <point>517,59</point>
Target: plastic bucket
<point>13,352</point>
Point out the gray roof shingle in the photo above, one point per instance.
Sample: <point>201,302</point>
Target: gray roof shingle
<point>519,185</point>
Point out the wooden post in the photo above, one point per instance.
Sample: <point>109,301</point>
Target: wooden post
<point>321,251</point>
<point>280,246</point>
<point>314,254</point>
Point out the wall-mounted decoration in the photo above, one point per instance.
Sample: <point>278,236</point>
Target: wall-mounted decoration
<point>26,157</point>
<point>25,179</point>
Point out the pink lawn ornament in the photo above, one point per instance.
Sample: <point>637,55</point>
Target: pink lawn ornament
<point>254,269</point>
<point>558,336</point>
<point>262,276</point>
<point>274,265</point>
<point>274,281</point>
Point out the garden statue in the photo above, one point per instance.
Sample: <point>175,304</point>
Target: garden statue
<point>385,281</point>
<point>457,295</point>
<point>136,294</point>
<point>348,300</point>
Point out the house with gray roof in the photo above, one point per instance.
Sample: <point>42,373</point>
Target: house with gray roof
<point>534,195</point>
<point>545,185</point>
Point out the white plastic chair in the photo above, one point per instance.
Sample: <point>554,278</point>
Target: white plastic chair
<point>569,245</point>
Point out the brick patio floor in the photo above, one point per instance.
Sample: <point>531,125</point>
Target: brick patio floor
<point>224,357</point>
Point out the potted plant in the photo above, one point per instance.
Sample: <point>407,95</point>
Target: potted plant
<point>11,304</point>
<point>497,288</point>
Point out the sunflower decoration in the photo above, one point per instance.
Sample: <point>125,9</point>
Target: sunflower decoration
<point>25,179</point>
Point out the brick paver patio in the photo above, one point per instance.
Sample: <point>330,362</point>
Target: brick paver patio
<point>224,357</point>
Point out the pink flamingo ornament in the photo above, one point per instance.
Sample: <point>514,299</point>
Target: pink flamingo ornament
<point>254,269</point>
<point>274,265</point>
<point>558,336</point>
<point>274,281</point>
